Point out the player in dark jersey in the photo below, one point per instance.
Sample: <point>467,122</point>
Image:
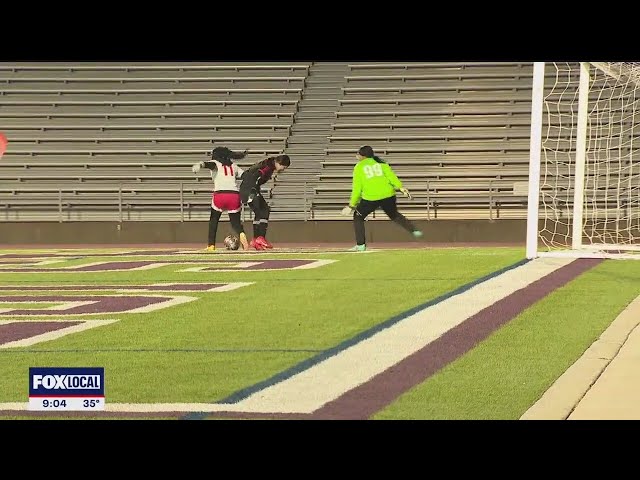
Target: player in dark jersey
<point>252,179</point>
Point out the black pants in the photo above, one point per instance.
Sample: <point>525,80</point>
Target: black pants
<point>390,208</point>
<point>261,211</point>
<point>214,218</point>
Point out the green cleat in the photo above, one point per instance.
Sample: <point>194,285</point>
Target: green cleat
<point>358,248</point>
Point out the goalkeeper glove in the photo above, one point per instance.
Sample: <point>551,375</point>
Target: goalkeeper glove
<point>406,193</point>
<point>197,166</point>
<point>347,211</point>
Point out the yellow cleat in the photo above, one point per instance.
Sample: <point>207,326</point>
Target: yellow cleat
<point>244,241</point>
<point>210,248</point>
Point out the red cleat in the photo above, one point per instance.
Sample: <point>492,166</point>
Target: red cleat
<point>255,244</point>
<point>263,241</point>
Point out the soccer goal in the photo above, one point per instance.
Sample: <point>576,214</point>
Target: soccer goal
<point>584,170</point>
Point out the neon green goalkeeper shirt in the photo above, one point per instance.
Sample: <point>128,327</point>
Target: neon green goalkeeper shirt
<point>373,181</point>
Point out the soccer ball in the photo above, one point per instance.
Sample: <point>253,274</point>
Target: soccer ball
<point>232,242</point>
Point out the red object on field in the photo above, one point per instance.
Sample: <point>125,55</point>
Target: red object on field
<point>3,143</point>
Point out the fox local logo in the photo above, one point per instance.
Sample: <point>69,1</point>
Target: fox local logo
<point>69,381</point>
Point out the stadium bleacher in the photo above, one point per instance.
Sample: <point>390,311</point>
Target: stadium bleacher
<point>116,141</point>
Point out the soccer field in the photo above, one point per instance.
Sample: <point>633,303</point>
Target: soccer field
<point>182,334</point>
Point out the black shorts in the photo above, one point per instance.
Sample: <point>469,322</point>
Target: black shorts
<point>388,205</point>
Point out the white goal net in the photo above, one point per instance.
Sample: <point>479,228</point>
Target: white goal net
<point>590,159</point>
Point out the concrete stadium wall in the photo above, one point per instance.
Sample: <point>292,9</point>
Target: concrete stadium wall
<point>441,231</point>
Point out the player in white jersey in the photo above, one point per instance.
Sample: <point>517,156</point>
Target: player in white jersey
<point>225,197</point>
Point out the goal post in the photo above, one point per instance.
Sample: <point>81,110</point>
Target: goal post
<point>584,165</point>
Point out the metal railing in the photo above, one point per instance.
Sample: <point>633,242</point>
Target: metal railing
<point>190,201</point>
<point>120,200</point>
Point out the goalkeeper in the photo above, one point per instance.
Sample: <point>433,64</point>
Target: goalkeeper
<point>374,185</point>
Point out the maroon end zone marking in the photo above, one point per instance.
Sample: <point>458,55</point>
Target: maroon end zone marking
<point>104,304</point>
<point>31,256</point>
<point>139,253</point>
<point>12,332</point>
<point>264,265</point>
<point>118,266</point>
<point>174,287</point>
<point>29,261</point>
<point>258,416</point>
<point>191,287</point>
<point>89,414</point>
<point>82,255</point>
<point>134,415</point>
<point>87,268</point>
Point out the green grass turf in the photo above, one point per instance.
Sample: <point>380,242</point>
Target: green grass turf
<point>509,371</point>
<point>207,349</point>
